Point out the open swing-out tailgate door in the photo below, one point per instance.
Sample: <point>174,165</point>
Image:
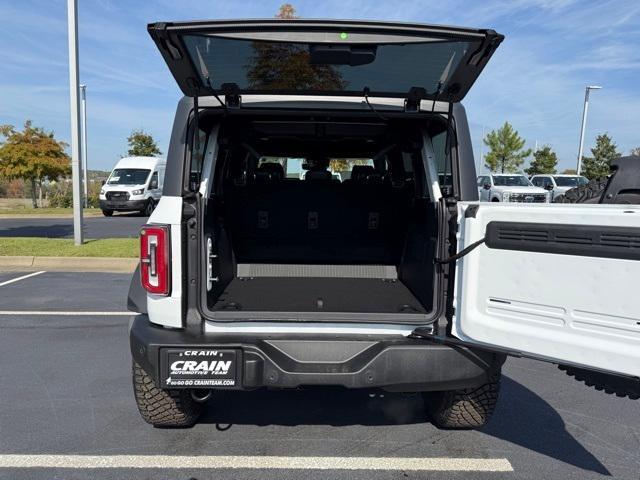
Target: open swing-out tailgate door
<point>324,57</point>
<point>554,282</point>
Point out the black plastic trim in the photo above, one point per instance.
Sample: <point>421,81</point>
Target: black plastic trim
<point>290,361</point>
<point>580,240</point>
<point>137,298</point>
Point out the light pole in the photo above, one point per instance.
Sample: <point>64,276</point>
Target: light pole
<point>584,123</point>
<point>74,99</point>
<point>83,99</point>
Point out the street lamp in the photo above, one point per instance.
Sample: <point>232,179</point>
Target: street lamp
<point>584,123</point>
<point>83,125</point>
<point>74,97</point>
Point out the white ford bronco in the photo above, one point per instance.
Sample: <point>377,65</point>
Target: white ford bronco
<point>388,276</point>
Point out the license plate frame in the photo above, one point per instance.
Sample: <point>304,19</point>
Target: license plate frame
<point>200,367</point>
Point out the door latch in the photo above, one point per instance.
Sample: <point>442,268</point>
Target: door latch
<point>211,257</point>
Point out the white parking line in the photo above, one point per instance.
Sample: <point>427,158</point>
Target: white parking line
<point>65,314</point>
<point>20,278</point>
<point>256,462</point>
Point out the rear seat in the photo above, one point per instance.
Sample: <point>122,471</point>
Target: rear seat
<point>278,220</point>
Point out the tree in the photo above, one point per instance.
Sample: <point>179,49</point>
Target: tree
<point>544,161</point>
<point>287,66</point>
<point>286,11</point>
<point>569,171</point>
<point>635,151</point>
<point>142,144</point>
<point>33,155</point>
<point>346,164</point>
<point>506,152</point>
<point>600,164</point>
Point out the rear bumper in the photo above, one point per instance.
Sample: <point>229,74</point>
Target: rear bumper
<point>122,204</point>
<point>278,361</point>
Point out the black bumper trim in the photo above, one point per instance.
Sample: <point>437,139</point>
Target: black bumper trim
<point>283,361</point>
<point>122,204</point>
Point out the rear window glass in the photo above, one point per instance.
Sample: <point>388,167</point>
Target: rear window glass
<point>259,65</point>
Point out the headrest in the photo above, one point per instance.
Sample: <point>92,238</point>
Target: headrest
<point>269,173</point>
<point>315,175</point>
<point>375,179</point>
<point>359,173</point>
<point>274,169</point>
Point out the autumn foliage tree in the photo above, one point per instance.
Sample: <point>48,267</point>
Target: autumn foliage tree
<point>32,155</point>
<point>286,11</point>
<point>287,66</point>
<point>142,144</point>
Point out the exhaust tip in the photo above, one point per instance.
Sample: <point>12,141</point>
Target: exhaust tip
<point>201,396</point>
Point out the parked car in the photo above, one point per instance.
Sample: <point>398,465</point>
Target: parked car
<point>558,184</point>
<point>508,187</point>
<point>252,279</point>
<point>135,184</point>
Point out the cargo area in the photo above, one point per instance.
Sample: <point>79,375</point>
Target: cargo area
<point>316,221</point>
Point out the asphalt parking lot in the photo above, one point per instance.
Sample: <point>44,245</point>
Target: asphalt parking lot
<point>119,226</point>
<point>66,393</point>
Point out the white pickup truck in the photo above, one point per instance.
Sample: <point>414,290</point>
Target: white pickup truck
<point>558,184</point>
<point>510,187</point>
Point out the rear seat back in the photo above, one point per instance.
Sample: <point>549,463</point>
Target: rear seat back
<point>280,220</point>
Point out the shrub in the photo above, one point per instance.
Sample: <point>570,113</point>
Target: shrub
<point>61,195</point>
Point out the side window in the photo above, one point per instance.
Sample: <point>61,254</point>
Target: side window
<point>161,177</point>
<point>443,162</point>
<point>480,181</point>
<point>198,154</point>
<point>153,183</point>
<point>537,181</point>
<point>542,181</point>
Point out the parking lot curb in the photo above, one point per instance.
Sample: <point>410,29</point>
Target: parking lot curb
<point>67,264</point>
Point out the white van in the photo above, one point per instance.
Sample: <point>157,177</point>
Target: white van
<point>135,184</point>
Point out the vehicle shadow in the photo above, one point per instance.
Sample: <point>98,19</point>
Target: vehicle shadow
<point>522,417</point>
<point>59,230</point>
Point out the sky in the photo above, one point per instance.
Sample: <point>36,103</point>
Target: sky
<point>536,79</point>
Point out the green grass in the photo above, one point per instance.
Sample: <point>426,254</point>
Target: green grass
<point>16,210</point>
<point>62,247</point>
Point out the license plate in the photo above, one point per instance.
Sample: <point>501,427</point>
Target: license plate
<point>199,368</point>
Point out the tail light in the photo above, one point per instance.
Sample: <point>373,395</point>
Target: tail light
<point>155,267</point>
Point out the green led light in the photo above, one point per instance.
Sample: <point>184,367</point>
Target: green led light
<point>344,35</point>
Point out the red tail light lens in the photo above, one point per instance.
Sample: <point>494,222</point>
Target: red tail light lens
<point>155,267</point>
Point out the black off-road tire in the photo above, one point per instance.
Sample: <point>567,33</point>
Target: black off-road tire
<point>107,213</point>
<point>464,409</point>
<point>611,384</point>
<point>588,193</point>
<point>148,209</point>
<point>163,408</point>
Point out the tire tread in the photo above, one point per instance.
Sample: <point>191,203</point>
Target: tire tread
<point>465,408</point>
<point>163,408</point>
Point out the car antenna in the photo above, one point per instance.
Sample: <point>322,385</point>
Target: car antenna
<point>366,92</point>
